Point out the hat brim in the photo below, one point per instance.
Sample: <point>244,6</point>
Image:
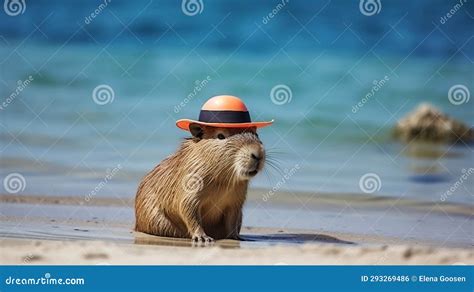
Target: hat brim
<point>184,124</point>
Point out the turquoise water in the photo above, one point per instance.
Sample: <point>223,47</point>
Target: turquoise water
<point>62,142</point>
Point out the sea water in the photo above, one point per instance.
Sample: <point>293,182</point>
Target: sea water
<point>340,81</point>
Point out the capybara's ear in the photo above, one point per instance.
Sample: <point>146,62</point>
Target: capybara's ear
<point>196,130</point>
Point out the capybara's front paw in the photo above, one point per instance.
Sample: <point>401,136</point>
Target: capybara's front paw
<point>202,238</point>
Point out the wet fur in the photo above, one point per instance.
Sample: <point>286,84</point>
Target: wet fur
<point>165,205</point>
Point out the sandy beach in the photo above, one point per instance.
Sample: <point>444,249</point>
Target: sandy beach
<point>333,230</point>
<point>38,252</point>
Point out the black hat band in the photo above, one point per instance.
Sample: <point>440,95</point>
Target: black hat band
<point>224,117</point>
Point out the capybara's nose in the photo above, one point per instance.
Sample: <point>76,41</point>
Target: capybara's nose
<point>256,156</point>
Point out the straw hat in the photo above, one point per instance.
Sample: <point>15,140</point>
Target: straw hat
<point>224,111</point>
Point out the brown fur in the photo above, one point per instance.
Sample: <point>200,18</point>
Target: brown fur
<point>199,191</point>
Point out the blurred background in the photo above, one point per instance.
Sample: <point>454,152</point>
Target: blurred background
<point>91,90</point>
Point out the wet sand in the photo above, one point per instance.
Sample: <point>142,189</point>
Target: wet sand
<point>285,229</point>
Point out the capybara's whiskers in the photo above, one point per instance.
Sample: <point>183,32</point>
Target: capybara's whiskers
<point>274,163</point>
<point>269,176</point>
<point>274,150</point>
<point>275,167</point>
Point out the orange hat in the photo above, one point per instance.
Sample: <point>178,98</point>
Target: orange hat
<point>224,111</point>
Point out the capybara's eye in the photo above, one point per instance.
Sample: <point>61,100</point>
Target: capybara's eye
<point>220,136</point>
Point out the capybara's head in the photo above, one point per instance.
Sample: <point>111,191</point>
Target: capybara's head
<point>237,151</point>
